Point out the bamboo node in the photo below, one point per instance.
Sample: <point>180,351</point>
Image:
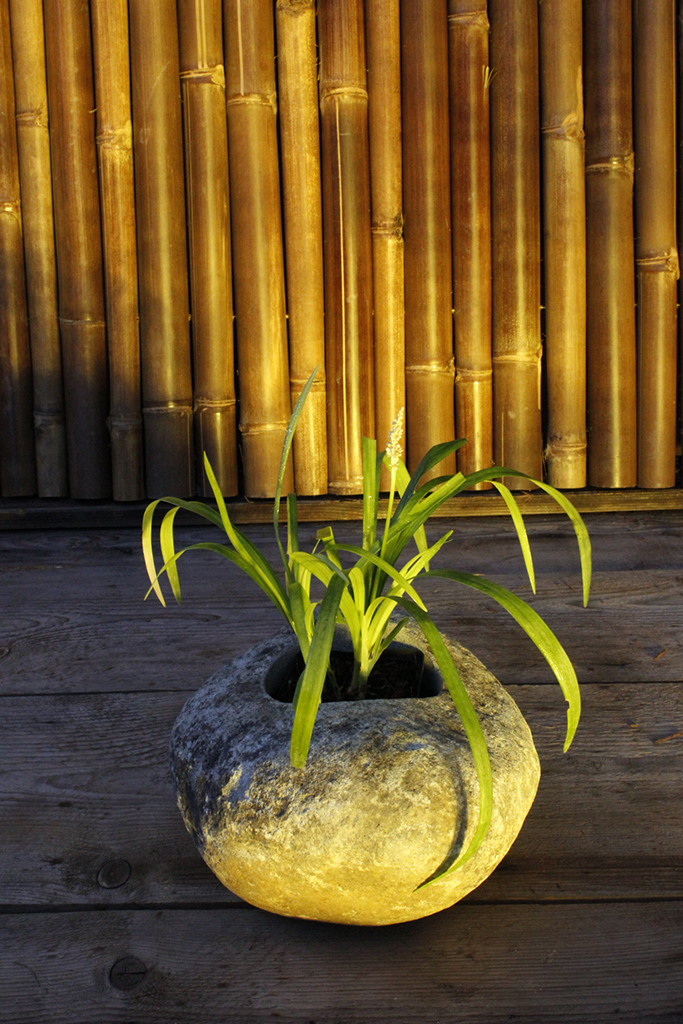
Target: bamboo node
<point>83,322</point>
<point>12,206</point>
<point>347,91</point>
<point>205,76</point>
<point>117,138</point>
<point>559,446</point>
<point>213,403</point>
<point>46,420</point>
<point>433,369</point>
<point>251,429</point>
<point>295,7</point>
<point>36,118</point>
<point>571,128</point>
<point>518,357</point>
<point>123,422</point>
<point>478,19</point>
<point>616,164</point>
<point>464,376</point>
<point>297,383</point>
<point>166,408</point>
<point>388,228</point>
<point>253,99</point>
<point>664,262</point>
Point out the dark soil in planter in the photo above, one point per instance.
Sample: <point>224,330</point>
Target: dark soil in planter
<point>400,672</point>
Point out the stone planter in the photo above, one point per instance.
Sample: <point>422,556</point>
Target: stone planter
<point>388,794</point>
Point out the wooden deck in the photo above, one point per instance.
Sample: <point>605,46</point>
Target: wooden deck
<point>108,913</point>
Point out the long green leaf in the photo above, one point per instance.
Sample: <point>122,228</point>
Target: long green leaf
<point>473,730</point>
<point>434,456</point>
<point>541,634</point>
<point>286,446</point>
<point>148,551</point>
<point>370,491</point>
<point>517,519</point>
<point>168,551</point>
<point>313,679</point>
<point>386,568</point>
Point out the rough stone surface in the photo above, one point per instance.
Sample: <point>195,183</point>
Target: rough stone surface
<point>389,792</point>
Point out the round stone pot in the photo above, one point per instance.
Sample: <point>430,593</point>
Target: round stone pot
<point>389,793</point>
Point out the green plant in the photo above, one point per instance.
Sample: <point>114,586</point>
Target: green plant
<point>364,594</point>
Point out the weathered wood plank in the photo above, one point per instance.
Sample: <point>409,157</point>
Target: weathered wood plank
<point>84,781</point>
<point>34,514</point>
<point>72,615</point>
<point>553,964</point>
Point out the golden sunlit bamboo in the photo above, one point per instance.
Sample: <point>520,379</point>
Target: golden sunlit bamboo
<point>17,453</point>
<point>427,211</point>
<point>206,176</point>
<point>258,268</point>
<point>610,288</point>
<point>297,66</point>
<point>516,236</point>
<point>33,137</point>
<point>79,245</point>
<point>383,49</point>
<point>564,210</point>
<point>117,197</point>
<point>348,245</point>
<point>162,248</point>
<point>654,126</point>
<point>468,28</point>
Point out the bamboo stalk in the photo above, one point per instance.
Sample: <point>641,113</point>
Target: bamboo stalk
<point>564,210</point>
<point>516,236</point>
<point>33,137</point>
<point>679,211</point>
<point>300,143</point>
<point>206,170</point>
<point>79,245</point>
<point>383,50</point>
<point>162,254</point>
<point>17,453</point>
<point>117,196</point>
<point>468,28</point>
<point>426,204</point>
<point>656,252</point>
<point>258,268</point>
<point>348,243</point>
<point>610,290</point>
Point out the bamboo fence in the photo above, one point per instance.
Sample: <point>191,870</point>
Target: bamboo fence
<point>656,246</point>
<point>206,179</point>
<point>430,410</point>
<point>468,27</point>
<point>348,245</point>
<point>564,210</point>
<point>17,452</point>
<point>162,253</point>
<point>117,195</point>
<point>258,261</point>
<point>33,137</point>
<point>203,200</point>
<point>76,199</point>
<point>610,287</point>
<point>299,132</point>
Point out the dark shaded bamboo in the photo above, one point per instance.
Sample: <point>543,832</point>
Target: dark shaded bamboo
<point>33,137</point>
<point>468,30</point>
<point>206,177</point>
<point>17,453</point>
<point>109,20</point>
<point>679,209</point>
<point>383,50</point>
<point>79,245</point>
<point>654,96</point>
<point>516,236</point>
<point>610,289</point>
<point>427,211</point>
<point>347,241</point>
<point>258,266</point>
<point>300,135</point>
<point>162,251</point>
<point>564,219</point>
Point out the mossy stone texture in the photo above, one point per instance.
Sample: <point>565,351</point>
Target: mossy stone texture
<point>389,792</point>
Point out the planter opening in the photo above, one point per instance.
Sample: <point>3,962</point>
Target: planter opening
<point>401,672</point>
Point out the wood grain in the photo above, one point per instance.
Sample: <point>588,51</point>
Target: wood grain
<point>84,780</point>
<point>473,964</point>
